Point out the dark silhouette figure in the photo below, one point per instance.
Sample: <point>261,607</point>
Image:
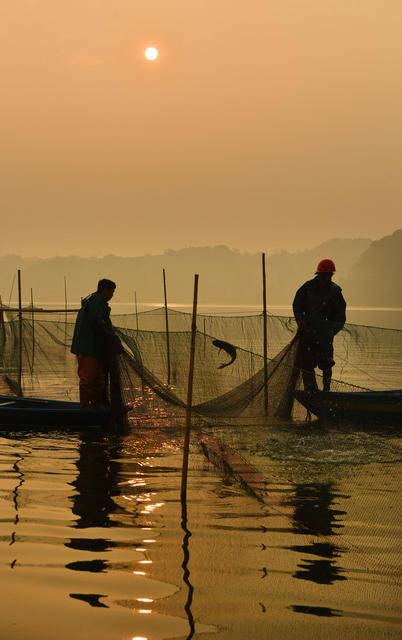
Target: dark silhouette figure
<point>319,309</point>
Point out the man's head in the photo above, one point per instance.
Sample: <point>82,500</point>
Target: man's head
<point>106,288</point>
<point>325,271</point>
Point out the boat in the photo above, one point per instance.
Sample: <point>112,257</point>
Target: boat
<point>373,406</point>
<point>22,412</point>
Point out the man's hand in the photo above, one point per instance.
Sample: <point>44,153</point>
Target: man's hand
<point>114,344</point>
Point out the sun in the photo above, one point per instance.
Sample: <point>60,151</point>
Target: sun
<point>151,53</point>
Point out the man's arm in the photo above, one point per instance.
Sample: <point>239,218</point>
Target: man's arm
<point>340,313</point>
<point>299,309</point>
<point>99,319</point>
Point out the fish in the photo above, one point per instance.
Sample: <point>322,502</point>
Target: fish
<point>230,350</point>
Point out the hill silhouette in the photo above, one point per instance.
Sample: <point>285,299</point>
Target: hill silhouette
<point>227,276</point>
<point>375,279</point>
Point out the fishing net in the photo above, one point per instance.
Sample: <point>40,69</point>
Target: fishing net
<point>231,383</point>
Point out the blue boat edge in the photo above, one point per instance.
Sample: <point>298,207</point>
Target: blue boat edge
<point>356,406</point>
<point>21,411</point>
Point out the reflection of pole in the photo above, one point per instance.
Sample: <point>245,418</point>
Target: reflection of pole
<point>167,328</point>
<point>264,311</point>
<point>186,572</point>
<point>189,392</point>
<point>136,309</point>
<point>19,334</point>
<point>21,478</point>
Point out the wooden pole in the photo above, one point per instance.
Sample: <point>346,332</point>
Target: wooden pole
<point>136,309</point>
<point>65,309</point>
<point>33,330</point>
<point>183,493</point>
<point>12,289</point>
<point>167,328</point>
<point>3,332</point>
<point>19,334</point>
<point>264,313</point>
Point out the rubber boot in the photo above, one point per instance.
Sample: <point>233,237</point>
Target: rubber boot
<point>326,379</point>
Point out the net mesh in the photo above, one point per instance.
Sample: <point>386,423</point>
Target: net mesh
<point>153,368</point>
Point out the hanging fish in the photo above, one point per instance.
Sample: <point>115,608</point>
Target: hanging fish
<point>230,350</point>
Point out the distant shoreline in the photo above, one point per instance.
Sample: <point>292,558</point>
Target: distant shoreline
<point>175,305</point>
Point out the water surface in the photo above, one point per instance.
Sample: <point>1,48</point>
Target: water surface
<point>93,543</point>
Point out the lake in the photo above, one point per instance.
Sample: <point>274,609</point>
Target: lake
<point>95,541</point>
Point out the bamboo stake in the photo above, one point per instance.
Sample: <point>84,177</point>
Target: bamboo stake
<point>33,330</point>
<point>19,335</point>
<point>12,289</point>
<point>65,309</point>
<point>136,309</point>
<point>3,331</point>
<point>264,312</point>
<point>189,393</point>
<point>167,328</point>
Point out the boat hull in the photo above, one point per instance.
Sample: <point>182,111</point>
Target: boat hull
<point>374,406</point>
<point>24,412</point>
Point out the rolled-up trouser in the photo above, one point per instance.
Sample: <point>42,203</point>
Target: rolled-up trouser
<point>315,354</point>
<point>92,375</point>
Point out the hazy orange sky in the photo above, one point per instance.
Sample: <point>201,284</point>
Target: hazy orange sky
<point>262,125</point>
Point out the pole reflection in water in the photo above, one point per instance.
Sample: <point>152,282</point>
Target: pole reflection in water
<point>315,515</point>
<point>20,476</point>
<point>96,484</point>
<point>186,572</point>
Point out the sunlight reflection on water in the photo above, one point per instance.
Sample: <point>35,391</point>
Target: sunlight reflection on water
<point>94,542</point>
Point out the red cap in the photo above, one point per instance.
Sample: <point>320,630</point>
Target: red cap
<point>326,266</point>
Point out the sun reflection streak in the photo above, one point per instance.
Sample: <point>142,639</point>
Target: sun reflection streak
<point>137,482</point>
<point>145,599</point>
<point>151,507</point>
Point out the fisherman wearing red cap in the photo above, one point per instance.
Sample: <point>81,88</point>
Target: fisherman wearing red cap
<point>319,308</point>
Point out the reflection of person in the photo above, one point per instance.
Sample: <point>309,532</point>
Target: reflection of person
<point>315,515</point>
<point>93,335</point>
<point>319,309</point>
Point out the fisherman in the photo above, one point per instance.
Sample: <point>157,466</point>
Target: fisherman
<point>93,340</point>
<point>319,308</point>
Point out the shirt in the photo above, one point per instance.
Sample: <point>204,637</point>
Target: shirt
<point>93,327</point>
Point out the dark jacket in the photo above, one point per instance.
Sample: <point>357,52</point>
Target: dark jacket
<point>319,311</point>
<point>93,328</point>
